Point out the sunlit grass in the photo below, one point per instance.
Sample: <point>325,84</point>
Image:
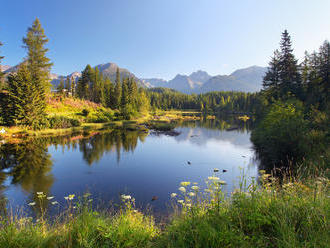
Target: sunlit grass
<point>268,213</point>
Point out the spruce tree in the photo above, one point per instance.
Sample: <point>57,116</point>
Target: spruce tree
<point>24,98</point>
<point>271,79</point>
<point>124,94</point>
<point>133,91</point>
<point>290,81</point>
<point>27,90</point>
<point>324,74</point>
<point>117,91</point>
<point>108,91</point>
<point>84,83</point>
<point>38,64</point>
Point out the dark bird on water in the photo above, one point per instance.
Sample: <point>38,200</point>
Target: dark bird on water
<point>188,162</point>
<point>224,171</point>
<point>154,198</point>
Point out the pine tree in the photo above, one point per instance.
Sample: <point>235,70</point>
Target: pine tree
<point>24,98</point>
<point>84,83</point>
<point>117,91</point>
<point>290,81</point>
<point>324,74</point>
<point>124,94</point>
<point>132,92</point>
<point>38,64</point>
<point>108,91</point>
<point>272,78</point>
<point>27,90</point>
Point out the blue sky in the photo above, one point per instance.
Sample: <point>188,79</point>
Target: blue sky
<point>157,38</point>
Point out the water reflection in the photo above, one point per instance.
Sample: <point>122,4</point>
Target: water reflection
<point>53,165</point>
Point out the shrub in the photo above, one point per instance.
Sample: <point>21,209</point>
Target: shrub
<point>280,137</point>
<point>100,116</point>
<point>57,122</point>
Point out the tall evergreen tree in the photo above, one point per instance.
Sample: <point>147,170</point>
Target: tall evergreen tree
<point>290,80</point>
<point>324,74</point>
<point>27,90</point>
<point>117,91</point>
<point>38,63</point>
<point>24,98</point>
<point>108,91</point>
<point>124,94</point>
<point>272,78</point>
<point>132,91</point>
<point>84,83</point>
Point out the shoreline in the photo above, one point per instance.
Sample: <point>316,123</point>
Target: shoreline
<point>18,134</point>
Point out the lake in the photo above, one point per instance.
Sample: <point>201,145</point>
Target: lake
<point>147,166</point>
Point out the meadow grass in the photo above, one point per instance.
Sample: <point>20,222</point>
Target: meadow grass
<point>266,214</point>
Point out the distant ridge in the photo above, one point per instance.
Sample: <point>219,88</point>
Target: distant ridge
<point>246,79</point>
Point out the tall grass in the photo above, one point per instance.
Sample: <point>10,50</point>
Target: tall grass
<point>262,214</point>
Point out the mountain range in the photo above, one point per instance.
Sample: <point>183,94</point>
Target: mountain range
<point>247,79</point>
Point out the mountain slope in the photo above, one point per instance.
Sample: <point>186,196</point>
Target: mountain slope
<point>109,70</point>
<point>247,79</point>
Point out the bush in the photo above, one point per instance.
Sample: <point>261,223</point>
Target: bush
<point>57,122</point>
<point>280,138</point>
<point>100,116</point>
<point>162,126</point>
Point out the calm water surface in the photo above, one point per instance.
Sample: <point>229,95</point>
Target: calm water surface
<point>117,162</point>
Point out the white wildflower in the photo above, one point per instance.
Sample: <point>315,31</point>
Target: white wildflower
<point>182,189</point>
<point>194,187</point>
<point>213,178</point>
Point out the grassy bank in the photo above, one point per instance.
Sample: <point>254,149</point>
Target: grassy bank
<point>292,214</point>
<point>70,115</point>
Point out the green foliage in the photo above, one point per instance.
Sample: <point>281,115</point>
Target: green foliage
<point>27,89</point>
<point>162,126</point>
<point>100,116</point>
<point>268,214</point>
<point>25,101</point>
<point>212,102</point>
<point>57,122</point>
<point>292,132</point>
<point>281,136</point>
<point>38,64</point>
